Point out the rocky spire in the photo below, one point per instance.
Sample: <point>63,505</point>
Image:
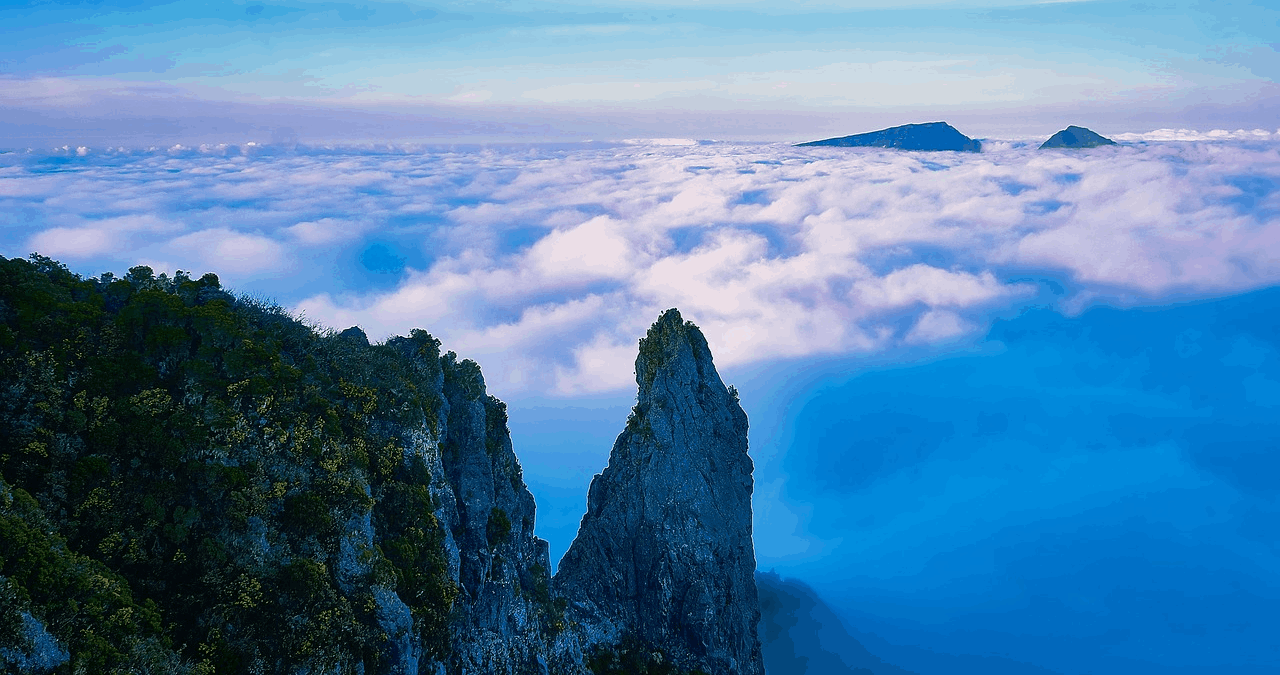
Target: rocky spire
<point>664,556</point>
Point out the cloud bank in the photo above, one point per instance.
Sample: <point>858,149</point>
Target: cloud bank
<point>545,263</point>
<point>1090,494</point>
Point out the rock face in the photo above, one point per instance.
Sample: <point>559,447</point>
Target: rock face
<point>503,569</point>
<point>1076,137</point>
<point>928,136</point>
<point>240,493</point>
<point>664,555</point>
<point>252,496</point>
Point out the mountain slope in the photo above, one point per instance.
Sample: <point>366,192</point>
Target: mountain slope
<point>1076,137</point>
<point>800,635</point>
<point>255,496</point>
<point>930,136</point>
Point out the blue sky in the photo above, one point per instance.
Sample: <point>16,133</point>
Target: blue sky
<point>1015,405</point>
<point>118,70</point>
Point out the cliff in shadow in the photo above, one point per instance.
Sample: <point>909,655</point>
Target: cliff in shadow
<point>194,482</point>
<point>664,555</point>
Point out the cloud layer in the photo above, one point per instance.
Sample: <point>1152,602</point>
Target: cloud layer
<point>1093,494</point>
<point>547,262</point>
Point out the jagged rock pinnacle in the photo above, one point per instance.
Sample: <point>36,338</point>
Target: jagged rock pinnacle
<point>664,553</point>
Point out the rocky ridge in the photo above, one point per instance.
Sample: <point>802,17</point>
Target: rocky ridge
<point>192,482</point>
<point>498,565</point>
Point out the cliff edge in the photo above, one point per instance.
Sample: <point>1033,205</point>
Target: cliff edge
<point>197,483</point>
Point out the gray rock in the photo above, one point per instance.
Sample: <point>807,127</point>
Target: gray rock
<point>42,654</point>
<point>402,651</point>
<point>664,555</point>
<point>498,621</point>
<point>356,334</point>
<point>497,624</point>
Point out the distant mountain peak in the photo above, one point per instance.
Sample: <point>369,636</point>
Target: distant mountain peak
<point>1076,137</point>
<point>929,136</point>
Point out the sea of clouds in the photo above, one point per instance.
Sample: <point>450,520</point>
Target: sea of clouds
<point>1055,484</point>
<point>546,262</point>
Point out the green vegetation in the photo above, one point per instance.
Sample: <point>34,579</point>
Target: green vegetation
<point>181,468</point>
<point>631,656</point>
<point>412,555</point>
<point>498,528</point>
<point>106,630</point>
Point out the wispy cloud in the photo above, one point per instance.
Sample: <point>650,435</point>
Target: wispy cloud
<point>547,262</point>
<point>1194,135</point>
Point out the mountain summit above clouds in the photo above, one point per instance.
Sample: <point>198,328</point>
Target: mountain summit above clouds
<point>933,136</point>
<point>1076,137</point>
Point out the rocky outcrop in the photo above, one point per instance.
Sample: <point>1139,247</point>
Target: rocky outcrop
<point>932,136</point>
<point>191,482</point>
<point>664,557</point>
<point>247,494</point>
<point>503,569</point>
<point>1076,137</point>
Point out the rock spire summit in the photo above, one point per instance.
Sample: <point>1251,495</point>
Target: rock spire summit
<point>664,556</point>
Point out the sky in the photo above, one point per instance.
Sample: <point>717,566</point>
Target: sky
<point>152,71</point>
<point>1012,408</point>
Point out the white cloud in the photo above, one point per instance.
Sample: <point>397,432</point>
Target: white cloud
<point>601,365</point>
<point>108,235</point>
<point>224,249</point>
<point>1193,135</point>
<point>547,263</point>
<point>72,242</point>
<point>930,286</point>
<point>595,249</point>
<point>323,231</point>
<point>477,96</point>
<point>660,141</point>
<point>938,325</point>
